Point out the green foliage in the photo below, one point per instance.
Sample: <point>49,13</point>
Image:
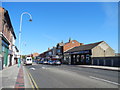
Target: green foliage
<point>23,56</point>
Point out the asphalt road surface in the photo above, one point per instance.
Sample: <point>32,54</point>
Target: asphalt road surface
<point>69,76</point>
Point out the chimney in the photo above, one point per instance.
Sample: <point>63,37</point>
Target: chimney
<point>70,39</point>
<point>48,49</point>
<point>81,43</point>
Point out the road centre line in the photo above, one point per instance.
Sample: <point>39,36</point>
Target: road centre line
<point>104,80</point>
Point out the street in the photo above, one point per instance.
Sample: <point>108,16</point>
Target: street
<point>69,76</point>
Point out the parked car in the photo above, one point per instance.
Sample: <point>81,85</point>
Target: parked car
<point>50,62</point>
<point>56,62</point>
<point>37,61</point>
<point>45,62</point>
<point>40,62</point>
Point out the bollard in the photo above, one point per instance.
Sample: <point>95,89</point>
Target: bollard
<point>19,62</point>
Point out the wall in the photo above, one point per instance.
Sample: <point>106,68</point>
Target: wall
<point>102,50</point>
<point>7,32</point>
<point>70,45</point>
<point>106,61</point>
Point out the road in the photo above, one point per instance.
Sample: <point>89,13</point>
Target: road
<point>69,76</point>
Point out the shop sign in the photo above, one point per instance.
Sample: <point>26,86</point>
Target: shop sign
<point>4,43</point>
<point>81,52</point>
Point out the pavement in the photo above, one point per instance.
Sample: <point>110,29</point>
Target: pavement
<point>9,76</point>
<point>14,77</point>
<point>100,67</point>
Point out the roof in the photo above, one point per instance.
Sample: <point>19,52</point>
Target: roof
<point>84,47</point>
<point>61,44</point>
<point>6,14</point>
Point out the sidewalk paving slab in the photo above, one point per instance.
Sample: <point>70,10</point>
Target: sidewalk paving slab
<point>9,76</point>
<point>101,67</point>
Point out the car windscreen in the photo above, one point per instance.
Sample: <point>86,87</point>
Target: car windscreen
<point>29,59</point>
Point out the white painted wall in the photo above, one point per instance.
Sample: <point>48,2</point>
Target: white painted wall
<point>14,50</point>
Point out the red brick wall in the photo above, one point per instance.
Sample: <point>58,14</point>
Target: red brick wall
<point>6,30</point>
<point>71,44</point>
<point>35,54</point>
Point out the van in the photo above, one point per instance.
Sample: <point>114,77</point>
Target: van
<point>28,60</point>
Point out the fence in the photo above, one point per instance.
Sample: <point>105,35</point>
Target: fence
<point>106,61</point>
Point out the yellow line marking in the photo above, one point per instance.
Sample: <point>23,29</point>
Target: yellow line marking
<point>34,82</point>
<point>30,81</point>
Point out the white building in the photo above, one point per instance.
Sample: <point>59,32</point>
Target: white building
<point>11,53</point>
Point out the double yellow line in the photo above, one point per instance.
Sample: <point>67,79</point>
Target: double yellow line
<point>32,81</point>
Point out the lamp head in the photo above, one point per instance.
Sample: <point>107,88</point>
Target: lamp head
<point>30,20</point>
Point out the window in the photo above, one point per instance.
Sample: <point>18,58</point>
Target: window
<point>87,58</point>
<point>73,56</point>
<point>3,48</point>
<point>58,50</point>
<point>82,58</point>
<point>78,56</point>
<point>73,42</point>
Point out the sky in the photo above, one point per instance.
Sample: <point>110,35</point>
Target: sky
<point>86,22</point>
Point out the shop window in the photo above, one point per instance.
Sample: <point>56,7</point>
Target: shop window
<point>78,58</point>
<point>73,56</point>
<point>87,58</point>
<point>3,48</point>
<point>82,58</point>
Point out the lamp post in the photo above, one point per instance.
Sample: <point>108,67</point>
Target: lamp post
<point>21,29</point>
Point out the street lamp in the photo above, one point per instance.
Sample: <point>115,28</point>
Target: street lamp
<point>21,27</point>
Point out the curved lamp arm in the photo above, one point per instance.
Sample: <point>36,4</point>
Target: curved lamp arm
<point>21,26</point>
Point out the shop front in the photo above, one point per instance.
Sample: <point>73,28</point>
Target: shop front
<point>79,58</point>
<point>5,49</point>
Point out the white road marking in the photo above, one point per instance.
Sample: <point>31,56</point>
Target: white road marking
<point>44,68</point>
<point>32,68</point>
<point>104,80</point>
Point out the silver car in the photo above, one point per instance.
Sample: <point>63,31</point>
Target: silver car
<point>56,62</point>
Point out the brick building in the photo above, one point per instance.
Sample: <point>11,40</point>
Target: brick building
<point>63,47</point>
<point>35,54</point>
<point>59,50</point>
<point>7,38</point>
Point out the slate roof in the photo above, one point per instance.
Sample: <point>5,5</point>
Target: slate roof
<point>84,47</point>
<point>61,44</point>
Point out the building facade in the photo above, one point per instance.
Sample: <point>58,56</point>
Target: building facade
<point>61,48</point>
<point>7,38</point>
<point>58,51</point>
<point>16,55</point>
<point>83,54</point>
